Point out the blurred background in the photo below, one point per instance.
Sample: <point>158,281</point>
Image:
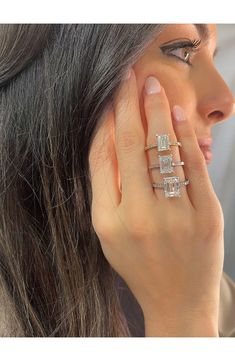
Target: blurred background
<point>222,167</point>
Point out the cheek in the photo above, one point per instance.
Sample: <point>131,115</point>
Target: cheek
<point>178,89</point>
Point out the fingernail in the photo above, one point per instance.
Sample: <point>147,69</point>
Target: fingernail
<point>152,85</point>
<point>128,74</point>
<point>208,155</point>
<point>179,113</point>
<point>233,108</point>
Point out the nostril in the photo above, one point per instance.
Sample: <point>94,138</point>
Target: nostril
<point>217,114</point>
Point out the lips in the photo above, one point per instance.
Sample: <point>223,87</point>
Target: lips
<point>205,146</point>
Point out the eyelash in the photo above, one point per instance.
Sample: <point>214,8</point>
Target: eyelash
<point>191,46</point>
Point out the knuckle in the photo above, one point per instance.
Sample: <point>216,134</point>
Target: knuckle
<point>98,157</point>
<point>214,212</point>
<point>103,226</point>
<point>181,225</point>
<point>212,229</point>
<point>212,232</point>
<point>197,162</point>
<point>158,101</point>
<point>187,132</point>
<point>129,141</point>
<point>140,227</point>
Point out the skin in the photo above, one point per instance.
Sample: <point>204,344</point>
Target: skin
<point>204,105</point>
<point>169,256</point>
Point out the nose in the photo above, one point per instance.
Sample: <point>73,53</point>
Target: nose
<point>217,102</point>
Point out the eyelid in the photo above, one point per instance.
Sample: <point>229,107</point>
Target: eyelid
<point>187,43</point>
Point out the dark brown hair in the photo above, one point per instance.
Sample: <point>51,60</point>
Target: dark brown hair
<point>56,80</point>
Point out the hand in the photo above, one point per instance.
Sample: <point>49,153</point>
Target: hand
<point>168,250</point>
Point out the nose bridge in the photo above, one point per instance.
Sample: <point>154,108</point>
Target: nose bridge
<point>217,100</point>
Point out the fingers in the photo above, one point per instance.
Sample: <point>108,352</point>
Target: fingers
<point>195,169</point>
<point>119,149</point>
<point>103,169</point>
<point>159,121</point>
<point>130,141</point>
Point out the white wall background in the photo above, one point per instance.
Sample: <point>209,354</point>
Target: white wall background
<point>222,167</point>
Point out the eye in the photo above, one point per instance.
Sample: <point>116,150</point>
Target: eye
<point>182,50</point>
<point>183,54</point>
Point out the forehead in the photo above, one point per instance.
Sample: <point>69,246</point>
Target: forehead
<point>212,29</point>
<point>207,31</point>
<point>204,31</point>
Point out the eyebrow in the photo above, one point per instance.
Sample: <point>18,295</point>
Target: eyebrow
<point>204,33</point>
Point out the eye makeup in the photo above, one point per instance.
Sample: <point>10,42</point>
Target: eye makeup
<point>189,45</point>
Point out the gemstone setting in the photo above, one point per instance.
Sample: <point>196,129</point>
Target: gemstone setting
<point>163,142</point>
<point>165,162</point>
<point>172,187</point>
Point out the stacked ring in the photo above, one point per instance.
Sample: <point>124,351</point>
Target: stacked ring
<point>171,185</point>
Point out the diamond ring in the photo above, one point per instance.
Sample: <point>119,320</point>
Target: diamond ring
<point>171,186</point>
<point>166,164</point>
<point>163,143</point>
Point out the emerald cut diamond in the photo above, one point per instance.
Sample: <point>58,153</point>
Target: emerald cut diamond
<point>166,163</point>
<point>163,142</point>
<point>172,187</point>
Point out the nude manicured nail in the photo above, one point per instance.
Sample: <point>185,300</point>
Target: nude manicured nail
<point>208,155</point>
<point>233,108</point>
<point>152,85</point>
<point>179,113</point>
<point>128,74</point>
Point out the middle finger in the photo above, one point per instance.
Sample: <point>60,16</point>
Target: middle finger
<point>158,116</point>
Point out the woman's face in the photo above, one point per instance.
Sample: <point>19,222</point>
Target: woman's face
<point>188,75</point>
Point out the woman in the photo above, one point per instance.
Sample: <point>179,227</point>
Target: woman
<point>63,235</point>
